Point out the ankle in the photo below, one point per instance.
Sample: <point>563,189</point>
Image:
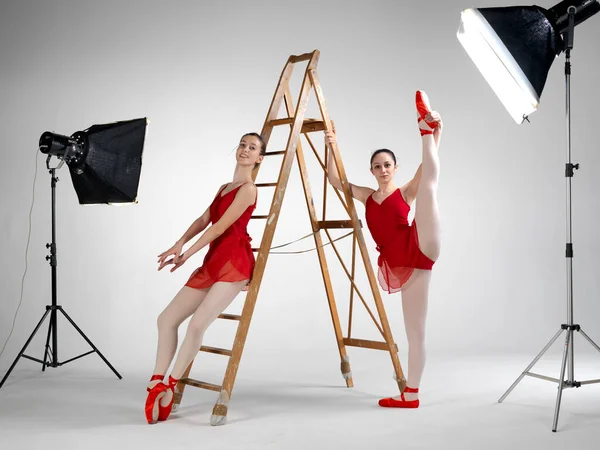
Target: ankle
<point>155,379</point>
<point>172,382</point>
<point>408,396</point>
<point>410,393</point>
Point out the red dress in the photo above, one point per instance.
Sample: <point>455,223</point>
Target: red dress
<point>229,257</point>
<point>397,241</point>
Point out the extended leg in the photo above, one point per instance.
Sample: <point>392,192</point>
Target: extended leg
<point>219,297</point>
<point>181,307</point>
<point>427,216</point>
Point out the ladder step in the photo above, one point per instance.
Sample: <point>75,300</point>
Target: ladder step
<point>308,125</point>
<point>230,317</point>
<point>259,217</point>
<point>280,152</point>
<point>327,224</point>
<point>254,249</point>
<point>217,351</point>
<point>284,121</point>
<point>312,125</point>
<point>299,58</point>
<point>201,384</point>
<point>364,343</point>
<point>266,184</point>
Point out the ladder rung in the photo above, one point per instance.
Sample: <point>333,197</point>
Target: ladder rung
<point>280,152</point>
<point>284,121</point>
<point>266,184</point>
<point>201,384</point>
<point>217,351</point>
<point>299,58</point>
<point>312,125</point>
<point>259,217</point>
<point>364,343</point>
<point>327,224</point>
<point>254,249</point>
<point>308,125</point>
<point>230,317</point>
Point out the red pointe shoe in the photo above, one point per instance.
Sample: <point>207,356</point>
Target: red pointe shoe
<point>423,108</point>
<point>153,400</point>
<point>393,403</point>
<point>164,411</point>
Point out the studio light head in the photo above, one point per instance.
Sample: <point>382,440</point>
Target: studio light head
<point>105,161</point>
<point>514,47</point>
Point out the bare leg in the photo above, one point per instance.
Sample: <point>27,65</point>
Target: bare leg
<point>427,215</point>
<point>180,308</point>
<point>219,297</point>
<point>415,296</point>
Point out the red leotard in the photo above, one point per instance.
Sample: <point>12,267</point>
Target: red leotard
<point>229,257</point>
<point>397,241</point>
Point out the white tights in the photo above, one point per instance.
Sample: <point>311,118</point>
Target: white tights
<point>415,293</point>
<point>204,305</point>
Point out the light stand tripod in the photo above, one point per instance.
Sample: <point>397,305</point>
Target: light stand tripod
<point>568,360</point>
<point>51,351</point>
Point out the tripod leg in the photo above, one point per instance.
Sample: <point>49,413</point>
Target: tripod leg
<point>561,381</point>
<point>90,343</point>
<point>24,347</point>
<point>589,340</point>
<point>536,359</point>
<point>47,348</point>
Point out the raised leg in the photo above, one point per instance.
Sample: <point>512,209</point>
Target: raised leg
<point>427,215</point>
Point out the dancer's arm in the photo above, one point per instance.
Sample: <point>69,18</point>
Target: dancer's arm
<point>361,193</point>
<point>409,190</point>
<point>196,227</point>
<point>244,198</point>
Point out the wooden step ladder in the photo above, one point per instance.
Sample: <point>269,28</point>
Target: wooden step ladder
<point>299,125</point>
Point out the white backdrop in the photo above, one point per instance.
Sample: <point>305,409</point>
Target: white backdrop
<point>204,73</point>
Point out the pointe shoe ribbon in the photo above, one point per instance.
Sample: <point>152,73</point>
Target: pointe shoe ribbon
<point>423,108</point>
<point>165,411</point>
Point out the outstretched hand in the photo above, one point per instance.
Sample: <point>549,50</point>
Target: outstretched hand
<point>176,252</point>
<point>434,116</point>
<point>177,262</point>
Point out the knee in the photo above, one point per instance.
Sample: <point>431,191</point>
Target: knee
<point>163,322</point>
<point>416,339</point>
<point>197,327</point>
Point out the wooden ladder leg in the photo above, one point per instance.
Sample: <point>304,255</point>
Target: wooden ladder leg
<point>220,409</point>
<point>339,335</point>
<point>387,333</point>
<point>219,414</point>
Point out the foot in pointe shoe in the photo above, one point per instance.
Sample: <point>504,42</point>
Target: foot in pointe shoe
<point>402,402</point>
<point>155,393</point>
<point>164,410</point>
<point>423,108</point>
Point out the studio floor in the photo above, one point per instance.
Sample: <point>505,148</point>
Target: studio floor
<point>70,408</point>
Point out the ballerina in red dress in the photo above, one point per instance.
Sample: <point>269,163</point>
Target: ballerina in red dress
<point>406,256</point>
<point>226,271</point>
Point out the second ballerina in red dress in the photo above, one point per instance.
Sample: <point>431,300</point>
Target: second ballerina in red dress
<point>407,252</point>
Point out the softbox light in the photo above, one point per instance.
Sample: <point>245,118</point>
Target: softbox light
<point>105,161</point>
<point>513,48</point>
